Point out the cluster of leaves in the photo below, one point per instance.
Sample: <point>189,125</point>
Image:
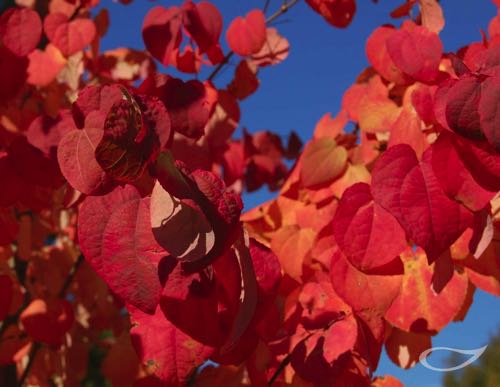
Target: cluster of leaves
<point>120,208</point>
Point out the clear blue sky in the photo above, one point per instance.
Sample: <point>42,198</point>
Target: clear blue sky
<point>323,62</point>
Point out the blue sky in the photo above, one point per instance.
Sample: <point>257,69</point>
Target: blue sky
<point>322,64</point>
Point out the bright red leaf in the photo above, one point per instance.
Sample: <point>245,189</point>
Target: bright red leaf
<point>410,191</point>
<point>246,35</point>
<point>368,235</point>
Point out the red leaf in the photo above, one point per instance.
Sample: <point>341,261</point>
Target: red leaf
<point>194,235</point>
<point>369,295</point>
<point>203,21</point>
<point>70,36</point>
<point>161,31</point>
<point>165,349</point>
<point>95,99</point>
<point>76,156</point>
<point>489,110</point>
<point>340,338</point>
<point>430,311</point>
<point>21,30</point>
<point>245,81</point>
<point>246,35</point>
<point>45,65</point>
<point>135,130</point>
<point>46,132</point>
<point>33,166</point>
<point>190,301</point>
<point>404,348</point>
<point>116,239</point>
<point>47,321</point>
<point>461,100</point>
<point>338,13</point>
<point>13,184</point>
<point>376,51</point>
<point>368,235</point>
<point>461,185</point>
<point>12,73</point>
<point>416,52</point>
<point>189,104</point>
<point>410,191</point>
<point>245,290</point>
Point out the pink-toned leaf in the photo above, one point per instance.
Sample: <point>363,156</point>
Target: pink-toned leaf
<point>21,30</point>
<point>194,235</point>
<point>69,36</point>
<point>78,163</point>
<point>116,239</point>
<point>416,52</point>
<point>379,58</point>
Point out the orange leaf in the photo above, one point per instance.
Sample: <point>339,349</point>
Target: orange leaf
<point>418,308</point>
<point>48,321</point>
<point>292,245</point>
<point>322,162</point>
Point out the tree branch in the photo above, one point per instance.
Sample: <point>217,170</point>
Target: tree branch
<point>283,9</point>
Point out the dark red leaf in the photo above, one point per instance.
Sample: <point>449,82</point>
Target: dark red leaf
<point>161,31</point>
<point>338,13</point>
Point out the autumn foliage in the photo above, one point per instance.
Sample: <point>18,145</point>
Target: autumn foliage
<point>124,253</point>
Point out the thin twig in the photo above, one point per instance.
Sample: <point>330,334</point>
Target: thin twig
<point>266,6</point>
<point>31,360</point>
<point>283,9</point>
<point>280,369</point>
<point>71,275</point>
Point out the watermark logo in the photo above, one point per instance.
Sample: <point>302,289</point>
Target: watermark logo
<point>475,354</point>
